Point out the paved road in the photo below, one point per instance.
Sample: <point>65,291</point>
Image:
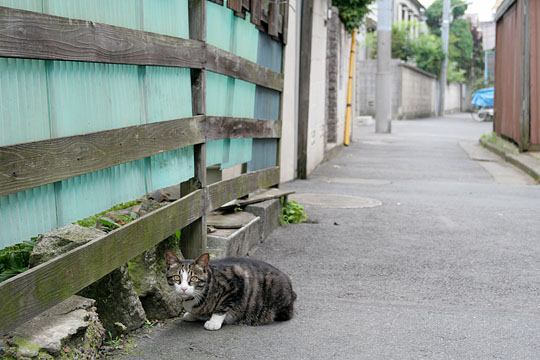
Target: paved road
<point>448,267</point>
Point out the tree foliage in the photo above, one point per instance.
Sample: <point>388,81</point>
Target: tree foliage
<point>402,43</point>
<point>428,53</point>
<point>434,14</point>
<point>461,49</point>
<point>352,12</point>
<point>426,50</point>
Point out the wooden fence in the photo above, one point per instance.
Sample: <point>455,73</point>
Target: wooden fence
<point>517,73</point>
<point>32,35</point>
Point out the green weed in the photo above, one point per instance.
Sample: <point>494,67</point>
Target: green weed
<point>292,213</point>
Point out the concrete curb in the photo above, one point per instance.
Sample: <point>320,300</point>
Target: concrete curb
<point>268,211</point>
<point>234,242</point>
<point>523,161</point>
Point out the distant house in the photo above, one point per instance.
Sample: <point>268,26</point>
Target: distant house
<point>408,10</point>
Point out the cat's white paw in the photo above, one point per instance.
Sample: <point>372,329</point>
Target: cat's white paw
<point>189,317</point>
<point>212,325</point>
<point>215,322</point>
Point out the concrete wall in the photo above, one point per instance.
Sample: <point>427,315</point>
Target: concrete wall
<point>317,119</point>
<point>288,144</point>
<point>366,80</point>
<point>338,52</point>
<point>453,101</point>
<point>414,92</point>
<point>418,93</point>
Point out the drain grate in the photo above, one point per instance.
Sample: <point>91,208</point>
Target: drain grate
<point>335,201</point>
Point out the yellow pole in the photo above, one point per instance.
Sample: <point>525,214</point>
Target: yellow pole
<point>348,111</point>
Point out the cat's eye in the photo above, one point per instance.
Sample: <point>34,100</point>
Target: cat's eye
<point>194,278</point>
<point>176,277</point>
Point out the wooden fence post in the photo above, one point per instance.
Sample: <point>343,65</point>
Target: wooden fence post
<point>306,29</point>
<point>525,116</point>
<point>193,241</point>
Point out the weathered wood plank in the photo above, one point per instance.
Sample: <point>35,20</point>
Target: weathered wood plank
<point>235,5</point>
<point>43,162</point>
<point>259,197</point>
<point>223,62</point>
<point>223,127</point>
<point>224,191</point>
<point>256,12</point>
<point>28,294</point>
<point>194,242</point>
<point>25,34</point>
<point>194,235</point>
<point>285,30</point>
<point>197,31</point>
<point>273,19</point>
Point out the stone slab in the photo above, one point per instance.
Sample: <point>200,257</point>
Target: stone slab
<point>51,330</point>
<point>234,220</point>
<point>268,211</point>
<point>237,242</point>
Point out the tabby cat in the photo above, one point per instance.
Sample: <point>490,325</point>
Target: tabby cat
<point>230,290</point>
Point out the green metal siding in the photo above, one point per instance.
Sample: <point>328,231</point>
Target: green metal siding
<point>44,99</point>
<point>24,112</point>
<point>30,5</point>
<point>267,104</point>
<point>228,96</point>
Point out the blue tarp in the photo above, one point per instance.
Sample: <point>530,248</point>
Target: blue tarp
<point>483,98</point>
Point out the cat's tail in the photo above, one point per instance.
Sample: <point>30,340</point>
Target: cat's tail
<point>287,312</point>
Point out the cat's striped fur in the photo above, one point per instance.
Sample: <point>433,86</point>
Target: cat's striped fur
<point>231,290</point>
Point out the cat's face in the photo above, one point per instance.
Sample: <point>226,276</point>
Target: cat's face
<point>187,278</point>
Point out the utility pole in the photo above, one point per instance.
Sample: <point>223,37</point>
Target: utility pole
<point>383,94</point>
<point>444,69</point>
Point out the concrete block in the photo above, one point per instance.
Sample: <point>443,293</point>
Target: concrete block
<point>70,329</point>
<point>234,242</point>
<point>268,211</point>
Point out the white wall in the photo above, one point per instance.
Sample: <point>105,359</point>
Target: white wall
<point>288,145</point>
<point>452,98</point>
<point>317,119</point>
<point>418,93</point>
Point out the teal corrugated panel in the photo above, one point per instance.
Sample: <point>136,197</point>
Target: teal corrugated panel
<point>88,194</point>
<point>24,113</point>
<point>168,96</point>
<point>218,93</point>
<point>168,93</point>
<point>231,97</point>
<point>270,53</point>
<point>264,151</point>
<point>88,97</point>
<point>214,152</point>
<point>169,17</point>
<point>243,105</point>
<point>172,167</point>
<point>245,39</point>
<point>30,5</point>
<point>26,214</point>
<point>126,13</point>
<point>217,89</point>
<point>219,25</point>
<point>243,101</point>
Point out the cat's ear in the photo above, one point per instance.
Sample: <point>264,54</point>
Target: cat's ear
<point>171,258</point>
<point>203,260</point>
